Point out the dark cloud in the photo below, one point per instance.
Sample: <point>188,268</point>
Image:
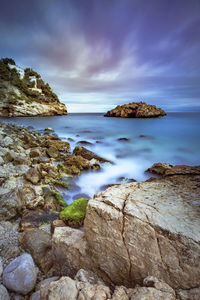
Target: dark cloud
<point>111,50</point>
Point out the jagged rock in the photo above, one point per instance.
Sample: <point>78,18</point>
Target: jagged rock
<point>58,144</point>
<point>149,228</point>
<point>20,275</point>
<point>90,291</point>
<point>4,293</point>
<point>63,289</point>
<point>136,110</point>
<point>38,243</point>
<point>87,154</point>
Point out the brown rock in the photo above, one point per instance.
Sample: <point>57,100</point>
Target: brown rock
<point>53,152</point>
<point>149,228</point>
<point>87,154</point>
<point>193,294</point>
<point>136,110</point>
<point>57,223</point>
<point>33,175</point>
<point>159,168</point>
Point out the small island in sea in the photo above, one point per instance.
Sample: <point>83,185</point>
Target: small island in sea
<point>136,110</point>
<point>24,93</point>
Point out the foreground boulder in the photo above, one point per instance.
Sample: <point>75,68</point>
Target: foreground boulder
<point>20,275</point>
<point>149,228</point>
<point>136,110</point>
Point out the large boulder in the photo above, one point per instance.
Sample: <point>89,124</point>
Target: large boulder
<point>87,154</point>
<point>20,275</point>
<point>136,110</point>
<point>148,228</point>
<point>10,204</point>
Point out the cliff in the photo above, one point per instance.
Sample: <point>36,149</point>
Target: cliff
<point>24,93</point>
<point>136,110</point>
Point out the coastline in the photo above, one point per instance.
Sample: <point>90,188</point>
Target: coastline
<point>30,207</point>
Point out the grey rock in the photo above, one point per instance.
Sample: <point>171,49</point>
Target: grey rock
<point>21,274</point>
<point>1,267</point>
<point>4,293</point>
<point>35,296</point>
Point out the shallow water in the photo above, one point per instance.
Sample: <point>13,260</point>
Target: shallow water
<point>174,138</point>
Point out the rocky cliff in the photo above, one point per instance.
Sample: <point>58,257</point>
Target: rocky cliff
<point>24,93</point>
<point>136,110</point>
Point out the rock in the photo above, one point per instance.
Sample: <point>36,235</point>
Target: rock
<point>57,223</point>
<point>9,247</point>
<point>10,204</point>
<point>87,154</point>
<point>1,267</point>
<point>69,251</point>
<point>63,289</point>
<point>35,296</point>
<point>88,277</point>
<point>159,168</point>
<point>148,228</point>
<point>32,219</point>
<point>8,141</point>
<point>53,152</point>
<point>38,243</point>
<point>193,294</point>
<point>33,175</point>
<point>123,139</point>
<point>49,129</point>
<point>150,294</point>
<point>136,110</point>
<point>90,292</point>
<point>4,293</point>
<point>74,214</point>
<point>21,274</point>
<point>58,144</point>
<point>84,143</point>
<point>35,153</point>
<point>45,281</point>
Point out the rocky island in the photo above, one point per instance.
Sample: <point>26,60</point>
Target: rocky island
<point>24,93</point>
<point>132,241</point>
<point>136,110</point>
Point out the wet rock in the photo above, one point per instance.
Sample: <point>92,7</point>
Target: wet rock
<point>38,243</point>
<point>70,139</point>
<point>159,168</point>
<point>35,153</point>
<point>87,154</point>
<point>123,139</point>
<point>73,164</point>
<point>63,289</point>
<point>84,143</point>
<point>52,152</point>
<point>58,144</point>
<point>4,293</point>
<point>136,110</point>
<point>20,275</point>
<point>49,129</point>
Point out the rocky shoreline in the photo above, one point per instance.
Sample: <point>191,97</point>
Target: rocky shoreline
<point>139,241</point>
<point>136,110</point>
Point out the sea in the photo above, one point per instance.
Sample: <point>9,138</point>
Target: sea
<point>133,145</point>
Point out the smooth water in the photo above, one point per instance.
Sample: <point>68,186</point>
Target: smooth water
<point>174,139</point>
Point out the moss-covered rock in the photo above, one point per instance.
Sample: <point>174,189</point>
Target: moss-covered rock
<point>74,214</point>
<point>59,198</point>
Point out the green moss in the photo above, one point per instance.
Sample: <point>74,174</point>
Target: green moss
<point>75,213</point>
<point>60,167</point>
<point>62,183</point>
<point>59,198</point>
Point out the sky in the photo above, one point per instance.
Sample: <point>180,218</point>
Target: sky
<point>96,54</point>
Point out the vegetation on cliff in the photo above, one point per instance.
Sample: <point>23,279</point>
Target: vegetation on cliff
<point>27,85</point>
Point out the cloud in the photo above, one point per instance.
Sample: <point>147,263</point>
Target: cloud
<point>104,52</point>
